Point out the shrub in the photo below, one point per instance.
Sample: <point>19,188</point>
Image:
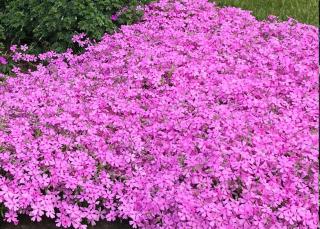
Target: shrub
<point>49,24</point>
<point>197,117</point>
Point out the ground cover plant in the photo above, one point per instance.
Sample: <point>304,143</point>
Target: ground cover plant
<point>197,117</point>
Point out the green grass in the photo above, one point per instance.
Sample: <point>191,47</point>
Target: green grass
<point>304,11</point>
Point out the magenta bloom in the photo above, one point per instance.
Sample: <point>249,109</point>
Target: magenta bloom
<point>114,17</point>
<point>3,60</point>
<point>24,48</point>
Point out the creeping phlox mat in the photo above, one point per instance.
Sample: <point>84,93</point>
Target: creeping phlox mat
<point>196,117</point>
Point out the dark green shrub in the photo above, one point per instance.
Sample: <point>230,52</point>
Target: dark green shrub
<point>49,24</point>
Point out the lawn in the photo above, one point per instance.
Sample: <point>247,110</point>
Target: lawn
<point>305,11</point>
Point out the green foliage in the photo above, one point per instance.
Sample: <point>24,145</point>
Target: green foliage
<point>304,11</point>
<point>2,210</point>
<point>49,24</point>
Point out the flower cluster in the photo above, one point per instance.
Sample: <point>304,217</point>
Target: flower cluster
<point>197,117</point>
<point>81,40</point>
<point>115,16</point>
<point>3,60</point>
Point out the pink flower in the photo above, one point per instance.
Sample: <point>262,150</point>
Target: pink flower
<point>11,217</point>
<point>114,17</point>
<point>24,47</point>
<point>139,7</point>
<point>13,48</point>
<point>3,60</point>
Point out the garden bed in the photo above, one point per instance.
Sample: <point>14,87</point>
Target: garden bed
<point>196,117</point>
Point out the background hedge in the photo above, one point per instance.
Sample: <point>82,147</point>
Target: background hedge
<point>49,24</point>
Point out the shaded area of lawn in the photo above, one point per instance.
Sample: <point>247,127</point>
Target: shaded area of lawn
<point>305,11</point>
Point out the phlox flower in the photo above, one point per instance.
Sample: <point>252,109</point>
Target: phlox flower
<point>11,217</point>
<point>24,47</point>
<point>196,117</point>
<point>3,60</point>
<point>114,17</point>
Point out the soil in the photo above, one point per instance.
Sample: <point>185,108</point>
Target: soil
<point>26,223</point>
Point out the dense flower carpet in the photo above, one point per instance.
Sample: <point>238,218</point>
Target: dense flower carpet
<point>196,117</point>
